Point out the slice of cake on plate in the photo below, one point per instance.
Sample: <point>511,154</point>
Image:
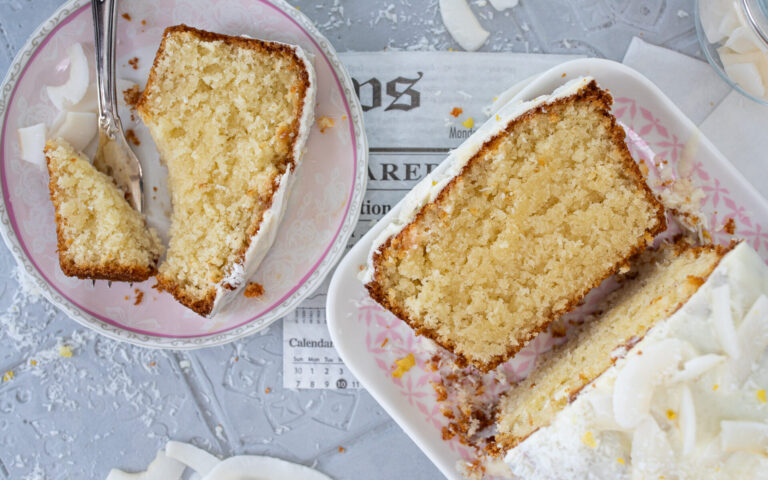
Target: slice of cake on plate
<point>99,235</point>
<point>668,382</point>
<point>230,117</point>
<point>516,226</point>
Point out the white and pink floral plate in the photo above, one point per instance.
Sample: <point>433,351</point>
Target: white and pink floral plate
<point>370,339</point>
<point>321,212</point>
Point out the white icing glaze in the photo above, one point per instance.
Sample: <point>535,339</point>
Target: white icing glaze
<point>690,409</point>
<point>265,236</point>
<point>430,187</point>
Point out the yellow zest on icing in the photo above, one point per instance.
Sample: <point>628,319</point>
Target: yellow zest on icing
<point>498,118</point>
<point>620,460</point>
<point>65,351</point>
<point>715,387</point>
<point>761,396</point>
<point>33,362</point>
<point>403,365</point>
<point>469,122</point>
<point>671,414</point>
<point>589,440</point>
<point>8,376</point>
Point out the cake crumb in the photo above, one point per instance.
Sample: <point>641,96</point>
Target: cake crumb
<point>127,297</point>
<point>33,362</point>
<point>8,376</point>
<point>695,281</point>
<point>324,122</point>
<point>139,296</point>
<point>562,76</point>
<point>342,449</point>
<point>130,135</point>
<point>134,63</point>
<point>267,390</point>
<point>588,439</point>
<point>143,22</point>
<point>761,396</point>
<point>132,96</point>
<point>730,226</point>
<point>152,363</point>
<point>403,365</point>
<point>65,351</point>
<point>253,290</point>
<point>386,340</point>
<point>127,16</point>
<point>456,112</point>
<point>469,122</point>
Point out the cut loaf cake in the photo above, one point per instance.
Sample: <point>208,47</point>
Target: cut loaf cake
<point>659,283</point>
<point>230,117</point>
<point>522,220</point>
<point>99,235</point>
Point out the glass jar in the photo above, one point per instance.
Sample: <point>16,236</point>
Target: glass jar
<point>721,26</point>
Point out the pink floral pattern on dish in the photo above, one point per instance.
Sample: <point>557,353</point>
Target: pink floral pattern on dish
<point>649,140</point>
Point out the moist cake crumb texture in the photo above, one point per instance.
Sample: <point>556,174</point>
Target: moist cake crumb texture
<point>99,235</point>
<point>660,283</point>
<point>540,215</point>
<point>224,113</point>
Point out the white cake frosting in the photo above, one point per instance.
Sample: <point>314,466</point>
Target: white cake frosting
<point>265,236</point>
<point>430,187</point>
<point>686,402</point>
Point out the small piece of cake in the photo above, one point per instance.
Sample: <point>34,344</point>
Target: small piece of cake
<point>230,117</point>
<point>516,227</point>
<point>662,281</point>
<point>684,400</point>
<point>99,235</point>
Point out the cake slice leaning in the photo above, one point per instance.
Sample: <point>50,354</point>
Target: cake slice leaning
<point>519,223</point>
<point>99,235</point>
<point>230,117</point>
<point>669,382</point>
<point>657,286</point>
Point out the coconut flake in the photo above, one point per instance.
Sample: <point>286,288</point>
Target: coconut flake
<point>74,89</point>
<point>696,367</point>
<point>747,76</point>
<point>651,453</point>
<point>268,468</point>
<point>744,40</point>
<point>711,14</point>
<point>743,435</point>
<point>504,4</point>
<point>602,412</point>
<point>687,420</point>
<point>752,337</point>
<point>195,458</point>
<point>77,128</point>
<point>161,468</point>
<point>32,143</point>
<point>721,311</point>
<point>462,24</point>
<point>635,382</point>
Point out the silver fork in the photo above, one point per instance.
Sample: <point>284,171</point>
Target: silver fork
<point>113,157</point>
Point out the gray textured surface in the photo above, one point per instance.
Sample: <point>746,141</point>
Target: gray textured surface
<point>112,404</point>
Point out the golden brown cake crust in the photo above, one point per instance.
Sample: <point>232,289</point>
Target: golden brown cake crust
<point>591,93</point>
<point>204,305</point>
<point>105,271</point>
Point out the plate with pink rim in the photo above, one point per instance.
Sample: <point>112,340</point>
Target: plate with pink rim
<point>320,215</point>
<point>370,339</point>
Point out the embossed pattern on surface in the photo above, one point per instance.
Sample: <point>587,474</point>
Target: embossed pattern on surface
<point>108,406</point>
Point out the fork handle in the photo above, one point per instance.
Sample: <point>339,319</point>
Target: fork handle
<point>104,20</point>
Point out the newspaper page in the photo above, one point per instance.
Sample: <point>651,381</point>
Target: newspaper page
<point>417,106</point>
